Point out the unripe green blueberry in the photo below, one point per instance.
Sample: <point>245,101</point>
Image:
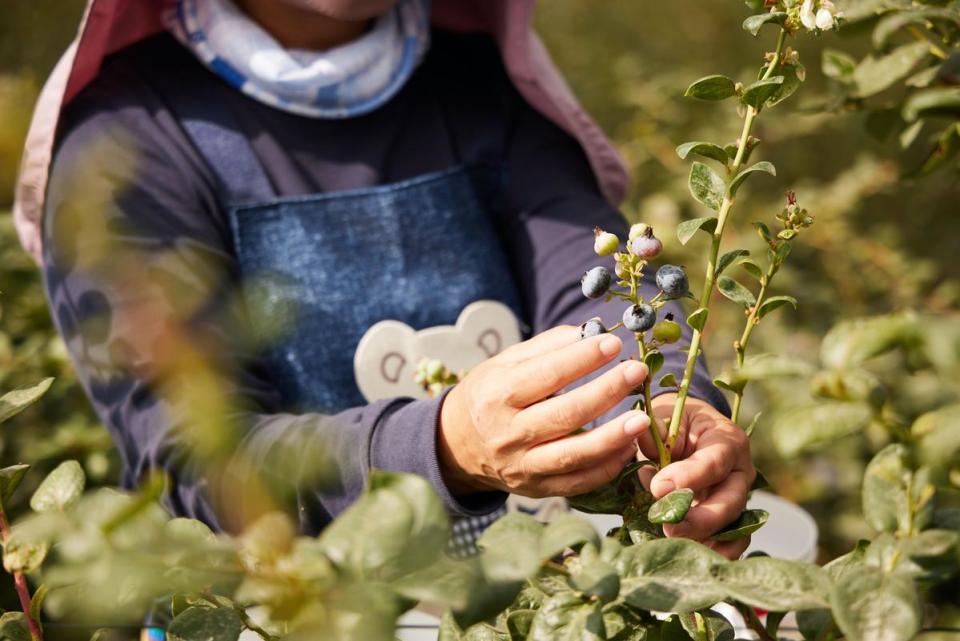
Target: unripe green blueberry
<point>593,327</point>
<point>639,318</point>
<point>434,369</point>
<point>639,229</point>
<point>596,282</point>
<point>672,280</point>
<point>667,330</point>
<point>604,242</point>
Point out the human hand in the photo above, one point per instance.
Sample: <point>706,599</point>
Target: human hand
<point>502,428</point>
<point>711,457</point>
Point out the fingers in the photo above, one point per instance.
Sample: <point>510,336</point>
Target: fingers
<point>544,342</point>
<point>562,414</point>
<point>721,506</point>
<point>733,550</point>
<point>662,410</point>
<point>590,478</point>
<point>588,449</point>
<point>539,377</point>
<point>717,452</point>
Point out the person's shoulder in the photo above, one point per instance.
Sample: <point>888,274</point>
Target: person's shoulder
<point>466,60</point>
<point>124,96</point>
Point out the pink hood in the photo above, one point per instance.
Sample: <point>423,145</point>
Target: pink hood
<point>110,25</point>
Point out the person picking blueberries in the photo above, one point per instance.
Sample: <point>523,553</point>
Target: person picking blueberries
<point>267,180</point>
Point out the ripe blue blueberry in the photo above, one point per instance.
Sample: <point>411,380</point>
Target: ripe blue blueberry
<point>593,327</point>
<point>673,281</point>
<point>596,282</point>
<point>639,318</point>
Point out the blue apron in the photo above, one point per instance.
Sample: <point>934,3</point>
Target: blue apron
<point>319,270</point>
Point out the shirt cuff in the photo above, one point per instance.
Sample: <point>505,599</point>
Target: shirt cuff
<point>405,440</point>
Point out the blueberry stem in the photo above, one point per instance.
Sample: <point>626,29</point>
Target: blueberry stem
<point>673,432</point>
<point>740,346</point>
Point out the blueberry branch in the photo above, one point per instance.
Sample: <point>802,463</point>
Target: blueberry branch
<point>20,581</point>
<point>717,237</point>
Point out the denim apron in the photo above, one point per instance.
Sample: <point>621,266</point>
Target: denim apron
<point>319,270</point>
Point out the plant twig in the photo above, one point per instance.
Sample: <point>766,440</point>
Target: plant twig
<point>20,581</point>
<point>711,272</point>
<point>753,622</point>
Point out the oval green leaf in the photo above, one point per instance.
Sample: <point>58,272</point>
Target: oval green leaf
<point>62,487</point>
<point>777,585</point>
<point>754,23</point>
<point>698,318</point>
<point>808,427</point>
<point>706,186</point>
<point>735,291</point>
<point>716,87</point>
<point>746,524</point>
<point>705,149</point>
<point>206,624</point>
<point>15,401</point>
<point>773,303</point>
<point>760,91</point>
<point>672,507</point>
<point>763,165</point>
<point>654,361</point>
<point>727,259</point>
<point>688,228</point>
<point>870,605</point>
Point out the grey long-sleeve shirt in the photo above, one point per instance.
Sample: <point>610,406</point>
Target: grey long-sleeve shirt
<point>126,181</point>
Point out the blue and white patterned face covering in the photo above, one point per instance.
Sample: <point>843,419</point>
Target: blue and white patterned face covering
<point>346,81</point>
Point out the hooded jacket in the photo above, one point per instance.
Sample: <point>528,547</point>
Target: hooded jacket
<point>110,25</point>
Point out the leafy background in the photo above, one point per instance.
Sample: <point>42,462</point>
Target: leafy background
<point>880,242</point>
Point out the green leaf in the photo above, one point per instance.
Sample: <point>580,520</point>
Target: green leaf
<point>714,626</point>
<point>897,21</point>
<point>946,149</point>
<point>15,401</point>
<point>687,229</point>
<point>766,366</point>
<point>838,65</point>
<point>749,431</point>
<point>20,555</point>
<point>752,268</point>
<point>698,318</point>
<point>654,361</point>
<point>933,102</point>
<point>853,342</point>
<point>746,524</point>
<point>36,602</point>
<point>205,624</point>
<point>753,24</point>
<point>511,547</point>
<point>792,75</point>
<point>714,87</point>
<point>705,149</point>
<point>886,481</point>
<point>668,380</point>
<point>774,302</point>
<point>735,291</point>
<point>670,575</point>
<point>775,584</point>
<point>61,489</point>
<point>401,521</point>
<point>763,165</point>
<point>566,617</point>
<point>565,531</point>
<point>807,427</point>
<point>706,187</point>
<point>14,627</point>
<point>870,605</point>
<point>874,74</point>
<point>727,259</point>
<point>596,578</point>
<point>763,231</point>
<point>518,623</point>
<point>937,436</point>
<point>672,507</point>
<point>10,478</point>
<point>760,91</point>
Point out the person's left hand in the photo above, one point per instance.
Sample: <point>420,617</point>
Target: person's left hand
<point>711,457</point>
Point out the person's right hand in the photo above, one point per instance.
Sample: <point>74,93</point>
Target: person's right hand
<point>505,426</point>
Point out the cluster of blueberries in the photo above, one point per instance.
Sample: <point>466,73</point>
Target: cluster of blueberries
<point>639,316</point>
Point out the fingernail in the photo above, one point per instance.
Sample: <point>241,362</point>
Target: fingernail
<point>610,345</point>
<point>636,424</point>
